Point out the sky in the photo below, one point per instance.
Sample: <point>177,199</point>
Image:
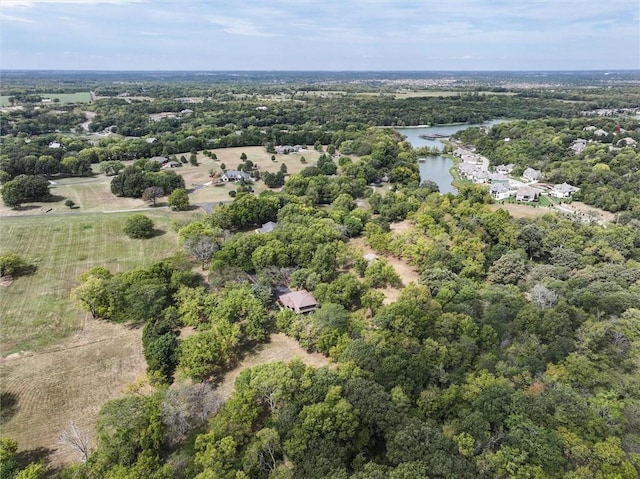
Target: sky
<point>333,35</point>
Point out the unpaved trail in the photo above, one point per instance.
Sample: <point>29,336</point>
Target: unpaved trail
<point>89,115</point>
<point>406,272</point>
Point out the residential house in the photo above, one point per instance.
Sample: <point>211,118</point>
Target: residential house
<point>466,170</point>
<point>498,178</point>
<point>531,174</point>
<point>235,175</point>
<point>578,146</point>
<point>299,301</point>
<point>286,149</point>
<point>480,176</point>
<point>527,194</point>
<point>564,190</point>
<point>628,141</point>
<point>599,133</point>
<point>499,191</point>
<point>505,169</point>
<point>267,227</point>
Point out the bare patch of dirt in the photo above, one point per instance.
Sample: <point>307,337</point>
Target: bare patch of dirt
<point>280,348</point>
<point>573,208</point>
<point>406,272</point>
<point>5,281</point>
<point>522,211</point>
<point>68,382</point>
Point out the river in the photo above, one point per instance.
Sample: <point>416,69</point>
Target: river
<point>436,168</point>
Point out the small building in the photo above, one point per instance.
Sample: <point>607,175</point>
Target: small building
<point>499,191</point>
<point>578,146</point>
<point>55,144</point>
<point>599,133</point>
<point>235,175</point>
<point>299,301</point>
<point>172,164</point>
<point>267,227</point>
<point>527,194</point>
<point>564,190</point>
<point>531,174</point>
<point>505,169</point>
<point>628,141</point>
<point>160,159</point>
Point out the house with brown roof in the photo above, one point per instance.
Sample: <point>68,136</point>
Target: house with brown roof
<point>299,301</point>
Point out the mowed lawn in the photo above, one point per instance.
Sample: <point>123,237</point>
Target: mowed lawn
<point>35,310</point>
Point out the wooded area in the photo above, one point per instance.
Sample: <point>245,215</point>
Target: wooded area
<point>516,354</point>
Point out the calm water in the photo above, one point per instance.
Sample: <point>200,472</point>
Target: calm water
<point>436,168</point>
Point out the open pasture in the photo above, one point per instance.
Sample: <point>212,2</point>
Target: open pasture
<point>36,309</point>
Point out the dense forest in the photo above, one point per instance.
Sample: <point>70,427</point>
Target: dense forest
<point>516,353</point>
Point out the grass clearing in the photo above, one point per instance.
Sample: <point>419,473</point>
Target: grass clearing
<point>36,310</point>
<point>63,98</point>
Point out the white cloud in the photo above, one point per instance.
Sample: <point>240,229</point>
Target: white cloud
<point>14,19</point>
<point>240,26</point>
<point>32,3</point>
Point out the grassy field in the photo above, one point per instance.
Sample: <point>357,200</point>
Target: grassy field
<point>36,310</point>
<point>64,98</point>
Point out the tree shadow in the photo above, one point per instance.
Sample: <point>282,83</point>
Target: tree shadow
<point>27,207</point>
<point>54,199</point>
<point>39,454</point>
<point>157,233</point>
<point>8,406</point>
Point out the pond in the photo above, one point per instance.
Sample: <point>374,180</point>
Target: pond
<point>436,168</point>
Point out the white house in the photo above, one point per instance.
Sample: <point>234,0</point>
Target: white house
<point>235,175</point>
<point>564,190</point>
<point>531,174</point>
<point>480,176</point>
<point>498,178</point>
<point>505,169</point>
<point>499,191</point>
<point>599,133</point>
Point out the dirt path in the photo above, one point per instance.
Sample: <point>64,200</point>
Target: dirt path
<point>280,348</point>
<point>406,272</point>
<point>89,115</point>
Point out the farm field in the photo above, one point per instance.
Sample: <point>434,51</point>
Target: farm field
<point>64,98</point>
<point>36,310</point>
